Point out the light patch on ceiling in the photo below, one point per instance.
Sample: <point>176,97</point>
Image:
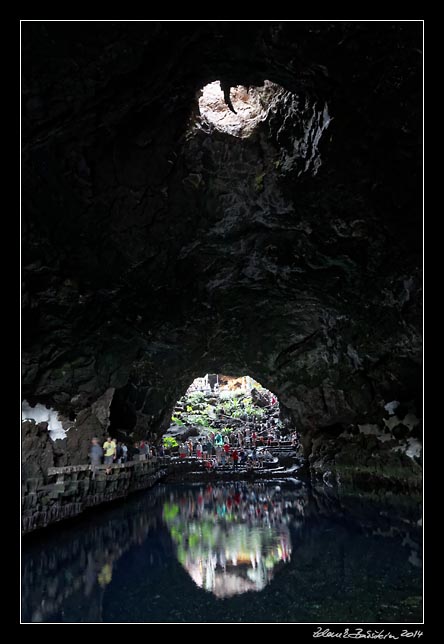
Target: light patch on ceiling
<point>250,107</point>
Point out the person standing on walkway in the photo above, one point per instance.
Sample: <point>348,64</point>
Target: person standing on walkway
<point>95,455</point>
<point>109,447</point>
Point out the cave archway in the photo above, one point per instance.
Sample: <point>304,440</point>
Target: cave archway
<point>151,251</point>
<point>237,408</point>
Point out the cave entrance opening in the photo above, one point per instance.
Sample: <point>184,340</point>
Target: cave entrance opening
<point>235,110</point>
<point>218,408</point>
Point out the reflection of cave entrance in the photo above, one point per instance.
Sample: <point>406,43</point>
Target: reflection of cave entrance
<point>231,539</point>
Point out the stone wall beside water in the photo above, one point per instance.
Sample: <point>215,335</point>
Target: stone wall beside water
<point>67,491</point>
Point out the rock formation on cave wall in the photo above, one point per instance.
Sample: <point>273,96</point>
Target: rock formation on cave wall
<point>157,249</point>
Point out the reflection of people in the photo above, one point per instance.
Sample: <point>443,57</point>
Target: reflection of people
<point>230,557</point>
<point>99,569</point>
<point>105,575</point>
<point>90,575</point>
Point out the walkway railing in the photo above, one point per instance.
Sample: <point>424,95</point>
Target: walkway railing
<point>153,463</point>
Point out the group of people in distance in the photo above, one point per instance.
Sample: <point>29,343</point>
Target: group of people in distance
<point>113,451</point>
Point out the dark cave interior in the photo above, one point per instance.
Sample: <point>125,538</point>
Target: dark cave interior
<point>157,247</point>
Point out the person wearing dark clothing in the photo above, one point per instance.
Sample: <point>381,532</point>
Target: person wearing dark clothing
<point>135,452</point>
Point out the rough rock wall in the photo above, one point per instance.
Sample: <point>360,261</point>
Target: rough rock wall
<point>84,554</point>
<point>154,253</point>
<point>66,492</point>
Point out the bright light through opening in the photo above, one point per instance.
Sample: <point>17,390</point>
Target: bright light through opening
<point>250,104</point>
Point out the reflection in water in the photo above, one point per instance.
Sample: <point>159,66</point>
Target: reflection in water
<point>76,562</point>
<point>195,554</point>
<point>230,539</point>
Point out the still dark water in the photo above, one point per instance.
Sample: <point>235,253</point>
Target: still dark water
<point>229,553</point>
